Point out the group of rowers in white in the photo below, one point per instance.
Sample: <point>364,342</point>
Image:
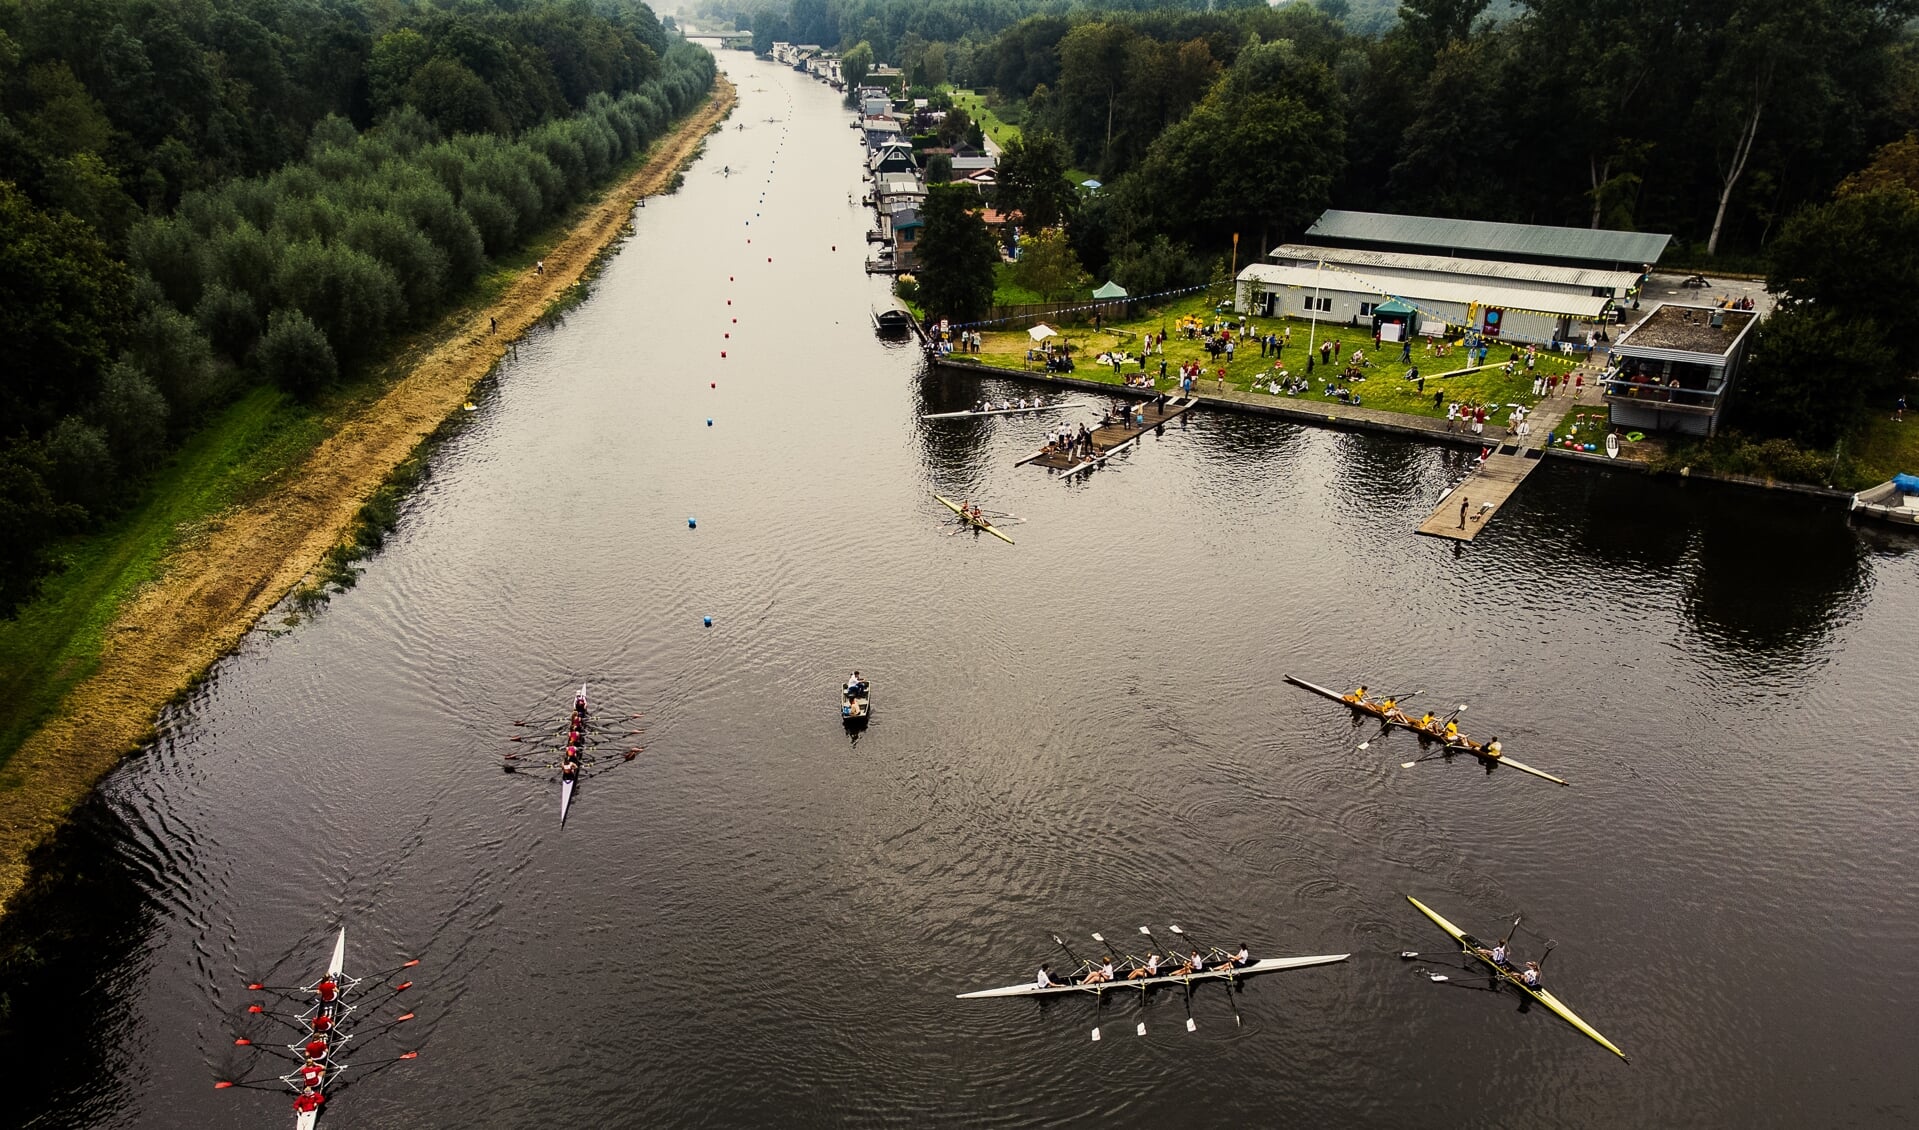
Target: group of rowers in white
<point>987,405</point>
<point>1446,730</point>
<point>1106,971</point>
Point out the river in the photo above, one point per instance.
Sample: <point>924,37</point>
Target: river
<point>761,922</point>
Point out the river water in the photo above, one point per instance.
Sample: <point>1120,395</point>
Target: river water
<point>762,922</point>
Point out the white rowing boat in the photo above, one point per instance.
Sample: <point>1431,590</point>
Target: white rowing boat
<point>1264,965</point>
<point>1005,411</point>
<point>566,782</point>
<point>335,1011</point>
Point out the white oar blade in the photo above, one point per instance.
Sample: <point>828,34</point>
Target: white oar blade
<point>1190,1026</point>
<point>1098,937</point>
<point>1365,745</point>
<point>1142,1028</point>
<point>1439,976</point>
<point>1407,764</point>
<point>1146,930</point>
<point>1096,1035</point>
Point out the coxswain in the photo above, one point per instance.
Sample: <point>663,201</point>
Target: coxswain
<point>311,1073</point>
<point>1241,959</point>
<point>570,770</point>
<point>326,990</point>
<point>579,705</point>
<point>1045,978</point>
<point>1099,975</point>
<point>308,1101</point>
<point>1358,695</point>
<point>1530,976</point>
<point>1492,749</point>
<point>1194,964</point>
<point>1150,969</point>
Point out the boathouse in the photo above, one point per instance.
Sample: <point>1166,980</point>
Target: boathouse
<point>1672,371</point>
<point>1437,277</point>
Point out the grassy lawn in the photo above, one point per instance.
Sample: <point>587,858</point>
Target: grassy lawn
<point>1882,449</point>
<point>1384,388</point>
<point>990,123</point>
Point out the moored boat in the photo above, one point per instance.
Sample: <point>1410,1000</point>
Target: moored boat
<point>1895,500</point>
<point>1475,949</point>
<point>1461,743</point>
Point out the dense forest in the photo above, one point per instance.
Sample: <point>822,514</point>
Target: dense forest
<point>198,197</point>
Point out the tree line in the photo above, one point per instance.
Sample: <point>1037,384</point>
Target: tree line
<point>198,198</point>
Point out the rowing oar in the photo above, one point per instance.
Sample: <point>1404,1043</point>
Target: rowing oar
<point>1118,958</point>
<point>1232,978</point>
<point>1187,981</point>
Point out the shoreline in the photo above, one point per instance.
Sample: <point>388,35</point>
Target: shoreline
<point>215,590</point>
<point>1345,417</point>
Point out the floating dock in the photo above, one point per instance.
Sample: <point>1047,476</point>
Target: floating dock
<point>1111,439</point>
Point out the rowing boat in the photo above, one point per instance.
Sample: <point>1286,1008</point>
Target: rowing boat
<point>856,709</point>
<point>1264,965</point>
<point>976,523</point>
<point>1461,744</point>
<point>566,782</point>
<point>335,1011</point>
<point>1472,947</point>
<point>1005,411</point>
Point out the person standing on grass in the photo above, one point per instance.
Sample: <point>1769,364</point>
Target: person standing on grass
<point>1899,409</point>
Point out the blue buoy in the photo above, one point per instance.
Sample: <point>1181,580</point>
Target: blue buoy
<point>707,620</point>
<point>691,524</point>
<point>709,421</point>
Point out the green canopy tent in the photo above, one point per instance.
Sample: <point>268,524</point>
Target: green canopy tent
<point>1110,290</point>
<point>1395,312</point>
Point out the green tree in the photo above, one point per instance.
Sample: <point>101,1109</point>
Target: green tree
<point>294,354</point>
<point>1813,373</point>
<point>957,255</point>
<point>855,64</point>
<point>134,415</point>
<point>63,312</point>
<point>1047,265</point>
<point>1032,179</point>
<point>1853,257</point>
<point>32,519</point>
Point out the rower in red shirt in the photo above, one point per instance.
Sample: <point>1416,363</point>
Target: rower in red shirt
<point>322,1021</point>
<point>326,990</point>
<point>308,1101</point>
<point>311,1073</point>
<point>316,1048</point>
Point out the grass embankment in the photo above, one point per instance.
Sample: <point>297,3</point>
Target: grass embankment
<point>1385,387</point>
<point>247,510</point>
<point>989,118</point>
<point>1878,449</point>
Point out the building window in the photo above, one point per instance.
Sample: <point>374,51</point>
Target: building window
<point>1366,309</point>
<point>1322,303</point>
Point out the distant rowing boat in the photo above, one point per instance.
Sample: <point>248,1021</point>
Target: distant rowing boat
<point>1472,947</point>
<point>1461,744</point>
<point>1265,965</point>
<point>1005,411</point>
<point>976,523</point>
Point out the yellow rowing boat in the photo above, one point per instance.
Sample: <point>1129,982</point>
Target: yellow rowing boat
<point>976,523</point>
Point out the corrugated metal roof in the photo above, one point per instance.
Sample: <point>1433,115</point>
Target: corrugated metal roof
<point>1415,289</point>
<point>1542,273</point>
<point>1484,236</point>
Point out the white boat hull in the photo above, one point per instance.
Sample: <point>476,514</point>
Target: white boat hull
<point>1265,965</point>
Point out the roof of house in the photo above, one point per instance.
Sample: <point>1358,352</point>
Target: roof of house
<point>973,164</point>
<point>1415,288</point>
<point>1676,328</point>
<point>1489,238</point>
<point>907,218</point>
<point>1536,273</point>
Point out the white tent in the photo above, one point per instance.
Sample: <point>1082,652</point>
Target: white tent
<point>1041,332</point>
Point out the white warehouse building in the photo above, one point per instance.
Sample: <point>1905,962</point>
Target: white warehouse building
<point>1410,275</point>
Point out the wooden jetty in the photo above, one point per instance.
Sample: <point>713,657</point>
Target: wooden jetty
<point>1111,439</point>
<point>1482,494</point>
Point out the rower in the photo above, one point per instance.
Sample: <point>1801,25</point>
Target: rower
<point>1194,964</point>
<point>1497,955</point>
<point>1099,975</point>
<point>321,1022</point>
<point>1241,959</point>
<point>1530,976</point>
<point>311,1073</point>
<point>1150,969</point>
<point>1389,710</point>
<point>976,514</point>
<point>1426,720</point>
<point>308,1102</point>
<point>1492,749</point>
<point>1358,695</point>
<point>579,705</point>
<point>856,686</point>
<point>1045,978</point>
<point>1452,730</point>
<point>326,989</point>
<point>315,1048</point>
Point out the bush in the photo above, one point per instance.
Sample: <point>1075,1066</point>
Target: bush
<point>134,415</point>
<point>294,354</point>
<point>229,321</point>
<point>80,467</point>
